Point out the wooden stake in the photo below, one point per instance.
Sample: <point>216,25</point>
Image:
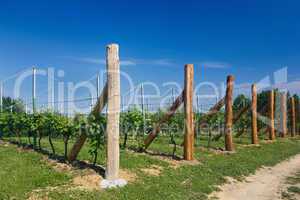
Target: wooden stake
<point>236,117</point>
<point>101,102</point>
<point>283,116</point>
<point>213,110</point>
<point>297,115</point>
<point>240,113</point>
<point>229,114</point>
<point>216,108</point>
<point>113,111</point>
<point>293,117</point>
<point>170,113</point>
<point>271,116</point>
<point>189,114</point>
<point>254,115</point>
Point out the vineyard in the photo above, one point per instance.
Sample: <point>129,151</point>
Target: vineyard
<point>177,147</point>
<point>24,128</point>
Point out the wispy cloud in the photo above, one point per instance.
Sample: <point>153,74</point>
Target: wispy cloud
<point>100,61</point>
<point>164,62</point>
<point>90,60</point>
<point>127,62</point>
<point>243,85</point>
<point>154,62</point>
<point>215,65</point>
<point>294,85</point>
<point>294,77</point>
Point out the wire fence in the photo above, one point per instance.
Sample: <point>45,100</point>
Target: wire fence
<point>137,99</point>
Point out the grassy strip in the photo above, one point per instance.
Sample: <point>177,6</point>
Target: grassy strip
<point>22,172</point>
<point>186,182</point>
<point>292,189</point>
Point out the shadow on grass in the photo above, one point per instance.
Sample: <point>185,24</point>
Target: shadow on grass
<point>78,164</point>
<point>151,153</point>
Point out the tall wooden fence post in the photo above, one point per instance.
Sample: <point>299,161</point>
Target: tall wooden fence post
<point>113,116</point>
<point>229,114</point>
<point>283,116</point>
<point>254,115</point>
<point>271,116</point>
<point>297,109</point>
<point>113,111</point>
<point>189,115</point>
<point>293,117</point>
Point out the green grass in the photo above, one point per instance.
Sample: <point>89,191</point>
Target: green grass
<point>185,182</point>
<point>22,172</point>
<point>293,187</point>
<point>293,180</point>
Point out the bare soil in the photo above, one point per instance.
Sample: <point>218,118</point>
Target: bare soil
<point>266,184</point>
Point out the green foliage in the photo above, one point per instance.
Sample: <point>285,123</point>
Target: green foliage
<point>14,105</point>
<point>54,125</point>
<point>6,124</point>
<point>64,126</point>
<point>240,102</point>
<point>132,123</point>
<point>37,122</point>
<point>176,123</point>
<point>80,124</point>
<point>244,122</point>
<point>132,120</point>
<point>96,133</point>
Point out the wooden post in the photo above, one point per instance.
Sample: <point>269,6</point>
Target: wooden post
<point>271,116</point>
<point>293,117</point>
<point>254,115</point>
<point>170,113</point>
<point>297,115</point>
<point>101,102</point>
<point>1,97</point>
<point>213,110</point>
<point>283,116</point>
<point>216,108</point>
<point>229,114</point>
<point>240,113</point>
<point>113,111</point>
<point>189,114</point>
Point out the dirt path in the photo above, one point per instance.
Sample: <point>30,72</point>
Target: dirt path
<point>265,184</point>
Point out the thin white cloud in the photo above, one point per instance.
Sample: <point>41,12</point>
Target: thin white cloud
<point>90,60</point>
<point>265,84</point>
<point>215,65</point>
<point>243,85</point>
<point>155,62</point>
<point>97,61</point>
<point>127,62</point>
<point>294,77</point>
<point>294,85</point>
<point>163,62</point>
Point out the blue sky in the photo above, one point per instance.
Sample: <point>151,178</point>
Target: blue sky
<point>250,39</point>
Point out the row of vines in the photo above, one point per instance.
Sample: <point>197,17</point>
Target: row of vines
<point>134,125</point>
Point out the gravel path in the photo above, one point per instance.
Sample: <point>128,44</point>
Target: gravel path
<point>266,184</point>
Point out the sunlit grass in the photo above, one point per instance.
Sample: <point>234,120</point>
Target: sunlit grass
<point>185,182</point>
